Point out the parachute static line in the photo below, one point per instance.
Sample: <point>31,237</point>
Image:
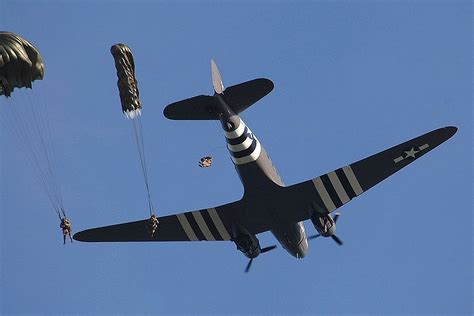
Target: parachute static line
<point>27,114</point>
<point>131,106</point>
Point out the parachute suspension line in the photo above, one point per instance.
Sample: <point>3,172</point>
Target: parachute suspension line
<point>22,64</point>
<point>138,129</point>
<point>24,123</point>
<point>40,148</point>
<point>44,117</point>
<point>45,140</point>
<point>17,127</point>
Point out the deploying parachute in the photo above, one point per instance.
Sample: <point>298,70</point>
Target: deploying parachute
<point>20,63</point>
<point>131,106</point>
<point>127,82</point>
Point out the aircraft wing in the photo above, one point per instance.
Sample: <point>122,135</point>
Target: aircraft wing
<point>206,224</point>
<point>330,191</point>
<point>295,203</point>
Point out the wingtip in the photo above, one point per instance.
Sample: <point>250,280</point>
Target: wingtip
<point>167,113</point>
<point>450,130</point>
<point>79,236</point>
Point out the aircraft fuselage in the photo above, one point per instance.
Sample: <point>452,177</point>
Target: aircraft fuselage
<point>260,178</point>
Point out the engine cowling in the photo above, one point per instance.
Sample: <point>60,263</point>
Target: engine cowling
<point>324,224</point>
<point>248,244</point>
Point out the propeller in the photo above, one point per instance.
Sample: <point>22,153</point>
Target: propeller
<point>248,265</point>
<point>334,237</point>
<point>263,250</point>
<point>313,237</point>
<point>337,240</point>
<point>267,249</point>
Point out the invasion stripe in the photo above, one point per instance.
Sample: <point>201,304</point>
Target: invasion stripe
<point>352,180</point>
<point>187,228</point>
<point>331,191</point>
<point>245,152</point>
<point>318,184</point>
<point>219,225</point>
<point>423,147</point>
<point>253,157</point>
<point>242,146</point>
<point>238,140</point>
<point>202,225</point>
<point>237,132</point>
<point>398,159</point>
<point>345,183</point>
<point>211,225</point>
<point>195,226</point>
<point>338,187</point>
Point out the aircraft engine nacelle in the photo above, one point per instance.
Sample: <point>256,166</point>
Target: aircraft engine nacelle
<point>324,224</point>
<point>248,244</point>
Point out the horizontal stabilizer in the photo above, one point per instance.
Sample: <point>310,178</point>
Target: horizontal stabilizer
<point>201,107</point>
<point>243,95</point>
<point>238,98</point>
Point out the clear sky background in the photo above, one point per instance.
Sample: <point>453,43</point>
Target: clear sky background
<point>351,79</point>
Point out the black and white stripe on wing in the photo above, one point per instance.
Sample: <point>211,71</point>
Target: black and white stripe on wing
<point>338,187</point>
<point>243,146</point>
<point>203,225</point>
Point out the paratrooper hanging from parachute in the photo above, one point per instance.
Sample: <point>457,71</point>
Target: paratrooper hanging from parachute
<point>20,65</point>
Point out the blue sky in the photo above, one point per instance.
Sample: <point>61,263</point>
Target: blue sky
<point>351,79</point>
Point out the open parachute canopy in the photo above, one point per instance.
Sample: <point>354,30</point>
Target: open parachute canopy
<point>127,82</point>
<point>20,63</point>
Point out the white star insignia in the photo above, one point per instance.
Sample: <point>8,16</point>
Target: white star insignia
<point>411,153</point>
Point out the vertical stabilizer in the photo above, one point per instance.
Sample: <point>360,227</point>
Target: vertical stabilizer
<point>216,78</point>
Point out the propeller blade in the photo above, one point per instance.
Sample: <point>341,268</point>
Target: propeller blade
<point>216,78</point>
<point>337,240</point>
<point>248,266</point>
<point>267,249</point>
<point>313,237</point>
<point>336,217</point>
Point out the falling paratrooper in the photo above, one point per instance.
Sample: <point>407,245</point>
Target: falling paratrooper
<point>205,162</point>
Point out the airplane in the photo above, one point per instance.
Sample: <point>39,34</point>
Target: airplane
<point>267,204</point>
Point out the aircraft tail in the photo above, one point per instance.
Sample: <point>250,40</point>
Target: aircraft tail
<point>203,107</point>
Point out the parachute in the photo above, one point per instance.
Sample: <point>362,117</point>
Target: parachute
<point>20,63</point>
<point>127,82</point>
<point>131,106</point>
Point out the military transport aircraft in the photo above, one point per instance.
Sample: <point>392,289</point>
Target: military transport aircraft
<point>267,204</point>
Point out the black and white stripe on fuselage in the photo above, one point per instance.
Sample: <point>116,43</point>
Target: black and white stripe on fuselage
<point>243,145</point>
